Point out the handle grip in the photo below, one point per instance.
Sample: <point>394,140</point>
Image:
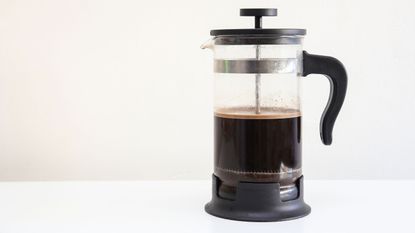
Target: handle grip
<point>334,70</point>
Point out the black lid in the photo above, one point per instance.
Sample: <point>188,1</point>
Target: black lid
<point>258,13</point>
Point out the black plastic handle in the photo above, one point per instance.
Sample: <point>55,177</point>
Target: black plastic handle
<point>334,70</point>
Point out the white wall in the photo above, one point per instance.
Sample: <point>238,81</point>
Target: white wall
<point>120,89</point>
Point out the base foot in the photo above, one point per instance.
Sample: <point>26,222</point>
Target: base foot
<point>258,202</point>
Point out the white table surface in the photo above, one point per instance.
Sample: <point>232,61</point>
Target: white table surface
<point>177,206</point>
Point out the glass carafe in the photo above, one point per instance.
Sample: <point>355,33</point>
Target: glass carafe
<point>257,111</point>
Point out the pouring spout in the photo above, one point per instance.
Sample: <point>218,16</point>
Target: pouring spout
<point>207,45</point>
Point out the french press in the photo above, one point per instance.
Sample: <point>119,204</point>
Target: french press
<point>257,119</point>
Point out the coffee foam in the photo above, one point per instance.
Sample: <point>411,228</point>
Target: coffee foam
<point>249,113</point>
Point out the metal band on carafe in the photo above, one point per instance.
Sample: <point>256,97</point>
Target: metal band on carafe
<point>263,66</point>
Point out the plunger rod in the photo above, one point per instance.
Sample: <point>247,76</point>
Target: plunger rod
<point>257,85</point>
<point>258,24</point>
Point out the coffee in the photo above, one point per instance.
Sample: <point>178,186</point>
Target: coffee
<point>250,147</point>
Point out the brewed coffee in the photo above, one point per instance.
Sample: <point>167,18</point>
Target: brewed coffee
<point>252,147</point>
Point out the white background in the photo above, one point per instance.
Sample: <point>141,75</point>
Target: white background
<point>108,90</point>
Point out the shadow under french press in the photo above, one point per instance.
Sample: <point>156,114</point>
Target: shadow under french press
<point>225,225</point>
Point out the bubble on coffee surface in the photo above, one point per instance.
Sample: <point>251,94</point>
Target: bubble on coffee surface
<point>249,112</point>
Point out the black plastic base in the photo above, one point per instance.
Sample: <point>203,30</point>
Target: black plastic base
<point>257,202</point>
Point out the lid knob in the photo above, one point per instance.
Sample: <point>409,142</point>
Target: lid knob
<point>258,13</point>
